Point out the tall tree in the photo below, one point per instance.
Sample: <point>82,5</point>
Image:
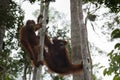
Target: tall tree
<point>4,4</point>
<point>2,33</point>
<point>79,40</point>
<point>9,18</point>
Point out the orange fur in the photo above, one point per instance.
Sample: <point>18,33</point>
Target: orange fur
<point>57,59</point>
<point>30,41</point>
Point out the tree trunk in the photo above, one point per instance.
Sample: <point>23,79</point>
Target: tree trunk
<point>75,38</point>
<point>44,11</point>
<point>4,5</point>
<point>2,33</point>
<point>79,40</point>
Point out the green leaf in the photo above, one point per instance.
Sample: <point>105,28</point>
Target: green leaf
<point>115,34</point>
<point>116,77</point>
<point>105,72</point>
<point>109,54</point>
<point>117,45</point>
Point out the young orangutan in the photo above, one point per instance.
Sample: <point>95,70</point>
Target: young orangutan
<point>30,41</point>
<point>56,57</point>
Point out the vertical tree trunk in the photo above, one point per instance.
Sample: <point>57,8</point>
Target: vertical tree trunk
<point>79,40</point>
<point>4,3</point>
<point>84,45</point>
<point>75,37</point>
<point>44,11</point>
<point>2,33</point>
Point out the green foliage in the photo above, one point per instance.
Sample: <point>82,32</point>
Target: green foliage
<point>114,5</point>
<point>58,78</point>
<point>11,16</point>
<point>117,46</point>
<point>114,64</point>
<point>117,19</point>
<point>115,34</point>
<point>8,13</point>
<point>114,58</point>
<point>94,77</point>
<point>32,1</point>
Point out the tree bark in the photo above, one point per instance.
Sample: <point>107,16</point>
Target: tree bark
<point>44,11</point>
<point>84,45</point>
<point>4,6</point>
<point>2,34</point>
<point>79,40</point>
<point>75,37</point>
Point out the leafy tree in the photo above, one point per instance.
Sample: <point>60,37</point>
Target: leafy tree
<point>10,17</point>
<point>112,21</point>
<point>112,4</point>
<point>114,58</point>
